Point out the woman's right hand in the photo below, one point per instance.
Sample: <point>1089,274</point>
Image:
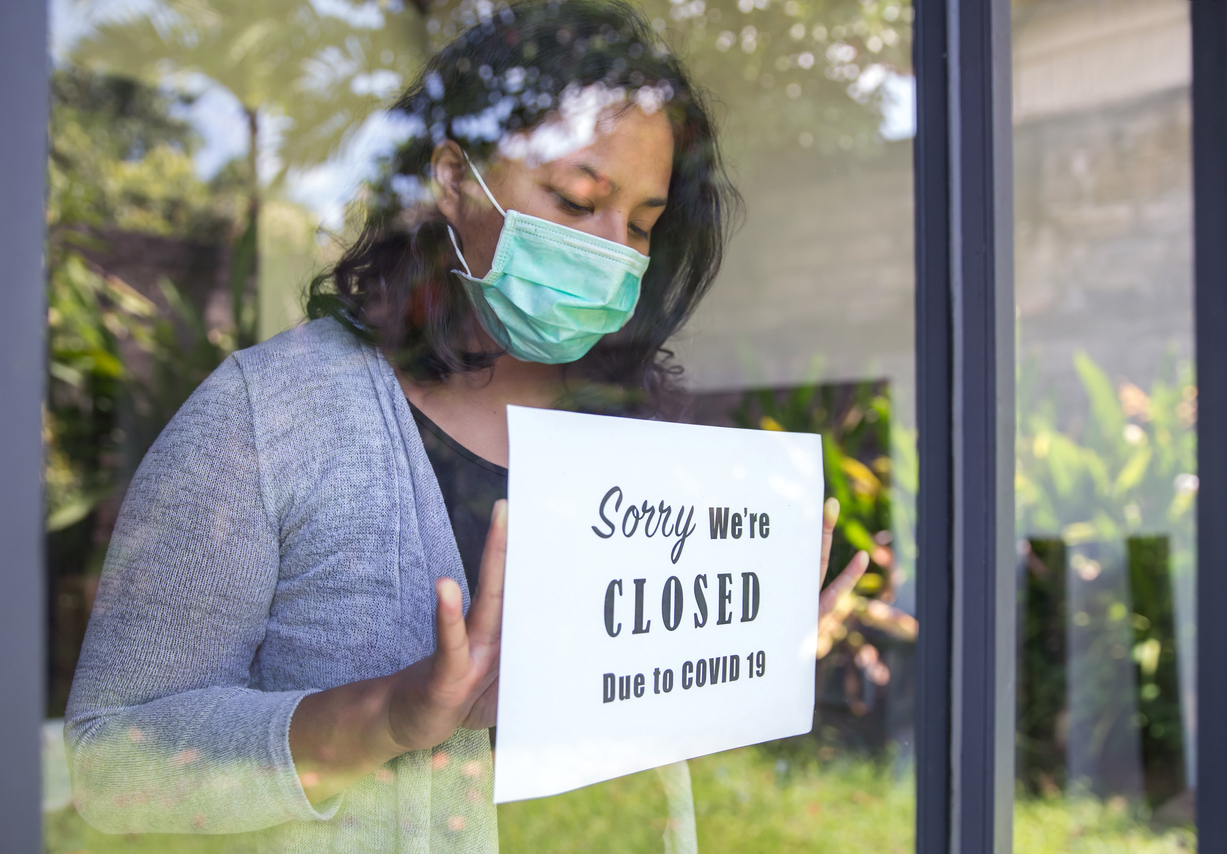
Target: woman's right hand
<point>457,685</point>
<point>340,735</point>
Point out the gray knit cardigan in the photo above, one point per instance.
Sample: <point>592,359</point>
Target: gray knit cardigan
<point>282,536</point>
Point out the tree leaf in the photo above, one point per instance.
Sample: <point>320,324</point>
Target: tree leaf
<point>1133,472</point>
<point>1107,418</point>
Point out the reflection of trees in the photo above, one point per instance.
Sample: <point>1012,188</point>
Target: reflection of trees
<point>804,73</point>
<point>125,210</point>
<point>305,73</point>
<point>312,75</point>
<point>799,73</point>
<point>1107,508</point>
<point>1129,468</point>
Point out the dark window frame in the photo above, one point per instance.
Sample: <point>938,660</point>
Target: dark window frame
<point>965,417</point>
<point>24,67</point>
<point>1209,95</point>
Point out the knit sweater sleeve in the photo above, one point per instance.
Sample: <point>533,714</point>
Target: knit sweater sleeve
<point>163,733</point>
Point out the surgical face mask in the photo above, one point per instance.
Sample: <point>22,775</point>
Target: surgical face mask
<point>552,291</point>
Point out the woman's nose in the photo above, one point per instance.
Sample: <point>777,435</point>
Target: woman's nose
<point>612,226</point>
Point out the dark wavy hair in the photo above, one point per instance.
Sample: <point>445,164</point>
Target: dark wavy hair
<point>393,286</point>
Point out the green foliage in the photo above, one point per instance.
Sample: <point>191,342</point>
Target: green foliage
<point>1058,825</point>
<point>1118,485</point>
<point>745,802</point>
<point>1154,651</point>
<point>121,361</point>
<point>98,326</point>
<point>309,72</point>
<point>87,316</point>
<point>118,160</point>
<point>316,71</point>
<point>1128,468</point>
<point>1042,680</point>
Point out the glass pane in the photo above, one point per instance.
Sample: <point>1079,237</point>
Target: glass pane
<point>201,156</point>
<point>808,328</point>
<point>209,158</point>
<point>1107,407</point>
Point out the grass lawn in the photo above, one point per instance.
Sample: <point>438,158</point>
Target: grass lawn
<point>746,801</point>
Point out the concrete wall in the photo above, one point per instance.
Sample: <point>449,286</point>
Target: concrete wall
<point>820,279</point>
<point>1103,187</point>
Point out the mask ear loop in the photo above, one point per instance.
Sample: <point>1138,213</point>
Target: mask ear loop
<point>489,196</point>
<point>459,254</point>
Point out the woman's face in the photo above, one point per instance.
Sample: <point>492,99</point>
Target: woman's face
<point>614,187</point>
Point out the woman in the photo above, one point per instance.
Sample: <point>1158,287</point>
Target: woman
<point>286,644</point>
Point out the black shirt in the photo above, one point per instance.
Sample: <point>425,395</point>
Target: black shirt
<point>470,486</point>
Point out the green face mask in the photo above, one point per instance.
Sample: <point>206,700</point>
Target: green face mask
<point>552,291</point>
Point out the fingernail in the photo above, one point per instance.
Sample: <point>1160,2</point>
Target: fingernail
<point>499,516</point>
<point>863,557</point>
<point>443,590</point>
<point>830,510</point>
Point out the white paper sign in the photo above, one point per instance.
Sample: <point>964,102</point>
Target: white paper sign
<point>661,598</point>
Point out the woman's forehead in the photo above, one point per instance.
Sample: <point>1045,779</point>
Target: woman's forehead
<point>581,115</point>
<point>623,148</point>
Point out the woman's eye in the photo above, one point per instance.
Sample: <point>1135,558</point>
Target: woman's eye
<point>570,206</point>
<point>639,232</point>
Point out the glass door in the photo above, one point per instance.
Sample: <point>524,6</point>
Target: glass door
<point>1106,475</point>
<point>207,158</point>
<point>809,327</point>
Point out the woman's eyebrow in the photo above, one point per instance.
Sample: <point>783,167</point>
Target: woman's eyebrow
<point>600,178</point>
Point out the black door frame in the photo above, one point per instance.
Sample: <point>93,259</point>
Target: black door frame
<point>24,68</point>
<point>965,417</point>
<point>1209,19</point>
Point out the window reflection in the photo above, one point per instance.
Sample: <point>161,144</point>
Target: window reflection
<point>208,158</point>
<point>1106,462</point>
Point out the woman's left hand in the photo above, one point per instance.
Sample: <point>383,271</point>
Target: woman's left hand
<point>846,580</point>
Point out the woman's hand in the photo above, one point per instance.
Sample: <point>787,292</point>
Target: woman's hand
<point>340,735</point>
<point>846,580</point>
<point>458,684</point>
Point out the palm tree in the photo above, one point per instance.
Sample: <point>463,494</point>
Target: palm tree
<point>310,69</point>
